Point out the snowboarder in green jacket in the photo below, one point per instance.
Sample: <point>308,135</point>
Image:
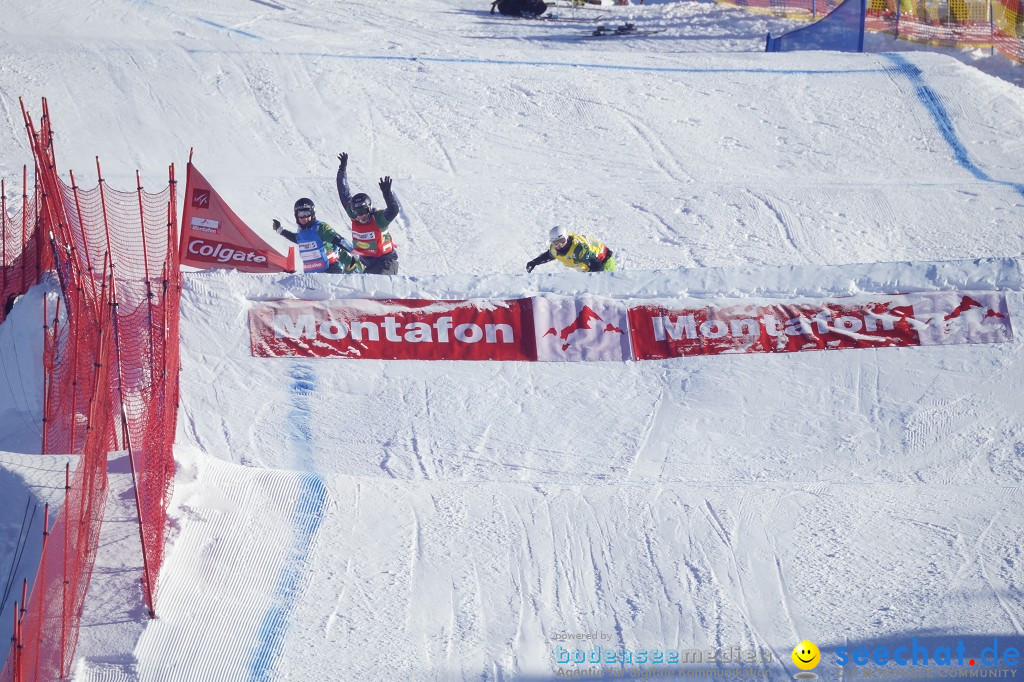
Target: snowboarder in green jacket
<point>320,247</point>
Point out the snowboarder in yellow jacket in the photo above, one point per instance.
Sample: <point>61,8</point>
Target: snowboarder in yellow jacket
<point>575,251</point>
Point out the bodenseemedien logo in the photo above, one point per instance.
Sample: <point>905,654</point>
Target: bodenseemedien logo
<point>806,657</point>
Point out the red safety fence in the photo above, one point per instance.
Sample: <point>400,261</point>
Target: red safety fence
<point>1008,28</point>
<point>111,382</point>
<point>23,252</point>
<point>953,23</point>
<point>46,624</point>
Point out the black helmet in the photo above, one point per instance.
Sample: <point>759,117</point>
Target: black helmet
<point>361,204</point>
<point>304,205</point>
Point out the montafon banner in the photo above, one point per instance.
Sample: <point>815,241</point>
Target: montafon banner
<point>878,321</point>
<point>552,328</point>
<point>397,329</point>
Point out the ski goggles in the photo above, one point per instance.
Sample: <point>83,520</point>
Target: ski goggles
<point>361,209</point>
<point>304,213</point>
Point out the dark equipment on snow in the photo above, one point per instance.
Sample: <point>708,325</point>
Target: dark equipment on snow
<point>530,9</point>
<point>627,29</point>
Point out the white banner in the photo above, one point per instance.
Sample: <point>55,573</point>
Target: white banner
<point>581,329</point>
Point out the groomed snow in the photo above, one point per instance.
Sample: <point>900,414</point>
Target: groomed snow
<point>365,520</point>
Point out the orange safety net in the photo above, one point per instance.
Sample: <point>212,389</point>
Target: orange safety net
<point>23,253</point>
<point>951,23</point>
<point>111,370</point>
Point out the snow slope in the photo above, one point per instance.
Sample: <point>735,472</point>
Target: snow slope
<point>402,520</point>
<point>723,502</point>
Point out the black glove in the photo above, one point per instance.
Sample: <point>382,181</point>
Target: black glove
<point>342,161</point>
<point>385,185</point>
<point>277,226</point>
<point>530,266</point>
<point>597,266</point>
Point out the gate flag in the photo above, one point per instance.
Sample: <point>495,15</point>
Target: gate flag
<point>212,236</point>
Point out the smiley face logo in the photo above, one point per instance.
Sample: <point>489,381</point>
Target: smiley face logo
<point>806,655</point>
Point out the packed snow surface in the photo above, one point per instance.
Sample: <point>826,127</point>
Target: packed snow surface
<point>372,520</point>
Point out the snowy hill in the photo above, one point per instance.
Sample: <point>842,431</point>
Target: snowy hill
<point>362,519</point>
<point>491,510</point>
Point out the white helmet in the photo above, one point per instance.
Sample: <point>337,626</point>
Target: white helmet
<point>557,234</point>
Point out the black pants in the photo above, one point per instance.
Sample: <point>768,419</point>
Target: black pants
<point>383,265</point>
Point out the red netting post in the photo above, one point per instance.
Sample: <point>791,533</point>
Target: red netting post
<point>16,645</point>
<point>44,123</point>
<point>85,479</point>
<point>170,263</point>
<point>37,231</point>
<point>163,325</point>
<point>21,628</point>
<point>40,587</point>
<point>64,595</point>
<point>74,375</point>
<point>142,222</point>
<point>103,203</point>
<point>992,26</point>
<point>49,369</point>
<point>24,226</point>
<point>147,582</point>
<point>3,238</point>
<point>74,363</point>
<point>47,374</point>
<point>172,219</point>
<point>145,266</point>
<point>85,237</point>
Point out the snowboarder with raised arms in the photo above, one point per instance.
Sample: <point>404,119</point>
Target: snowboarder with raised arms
<point>575,251</point>
<point>371,238</point>
<point>320,247</point>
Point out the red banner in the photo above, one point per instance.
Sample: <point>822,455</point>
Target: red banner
<point>589,329</point>
<point>212,236</point>
<point>394,329</point>
<point>878,322</point>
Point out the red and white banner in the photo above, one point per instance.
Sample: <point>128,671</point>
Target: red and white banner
<point>394,329</point>
<point>588,329</point>
<point>863,322</point>
<point>212,236</point>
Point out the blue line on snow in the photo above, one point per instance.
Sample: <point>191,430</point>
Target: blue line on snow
<point>943,122</point>
<point>306,518</point>
<point>228,28</point>
<point>514,62</point>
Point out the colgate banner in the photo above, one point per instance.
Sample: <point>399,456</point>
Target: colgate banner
<point>394,329</point>
<point>865,322</point>
<point>212,236</point>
